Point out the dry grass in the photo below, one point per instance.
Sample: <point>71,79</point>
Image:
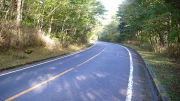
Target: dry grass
<point>14,58</point>
<point>167,71</point>
<point>29,45</point>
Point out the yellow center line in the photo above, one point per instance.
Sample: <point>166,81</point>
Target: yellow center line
<point>50,79</point>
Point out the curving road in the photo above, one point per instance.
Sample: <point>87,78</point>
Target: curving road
<point>103,72</point>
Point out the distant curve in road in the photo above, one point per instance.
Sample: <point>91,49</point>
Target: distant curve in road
<point>104,72</point>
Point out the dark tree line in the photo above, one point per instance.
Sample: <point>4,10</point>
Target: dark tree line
<point>152,24</point>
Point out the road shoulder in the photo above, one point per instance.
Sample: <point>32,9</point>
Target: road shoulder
<point>161,93</point>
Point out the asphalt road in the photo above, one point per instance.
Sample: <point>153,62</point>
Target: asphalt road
<point>104,72</point>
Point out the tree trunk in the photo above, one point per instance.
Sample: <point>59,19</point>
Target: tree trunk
<point>160,37</point>
<point>50,24</point>
<point>18,18</point>
<point>22,4</point>
<point>150,39</point>
<point>4,4</point>
<point>169,27</point>
<point>75,30</point>
<point>12,8</point>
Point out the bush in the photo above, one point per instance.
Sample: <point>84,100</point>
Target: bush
<point>147,47</point>
<point>11,38</point>
<point>28,51</point>
<point>174,51</point>
<point>7,34</point>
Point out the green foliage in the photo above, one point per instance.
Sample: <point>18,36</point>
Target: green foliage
<point>154,25</point>
<point>110,32</point>
<point>151,22</point>
<point>174,34</point>
<point>71,21</point>
<point>28,51</point>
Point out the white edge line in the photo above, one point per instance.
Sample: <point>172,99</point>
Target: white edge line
<point>48,61</point>
<point>130,82</point>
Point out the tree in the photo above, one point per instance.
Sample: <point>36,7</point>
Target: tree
<point>151,22</point>
<point>110,31</point>
<point>69,21</point>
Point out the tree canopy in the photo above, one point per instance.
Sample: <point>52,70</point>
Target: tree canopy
<point>70,21</point>
<point>154,24</point>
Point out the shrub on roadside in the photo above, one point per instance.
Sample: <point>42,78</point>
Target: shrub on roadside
<point>174,51</point>
<point>11,38</point>
<point>147,46</point>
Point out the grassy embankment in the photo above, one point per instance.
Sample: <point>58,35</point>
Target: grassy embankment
<point>13,58</point>
<point>167,71</point>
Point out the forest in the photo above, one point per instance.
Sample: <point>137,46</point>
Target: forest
<point>47,23</point>
<point>151,24</point>
<point>34,30</point>
<point>152,28</point>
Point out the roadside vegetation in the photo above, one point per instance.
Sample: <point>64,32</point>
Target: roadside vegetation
<point>152,27</point>
<point>14,58</point>
<point>167,70</point>
<point>31,30</point>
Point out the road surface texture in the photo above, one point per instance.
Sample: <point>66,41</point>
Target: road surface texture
<point>104,72</point>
